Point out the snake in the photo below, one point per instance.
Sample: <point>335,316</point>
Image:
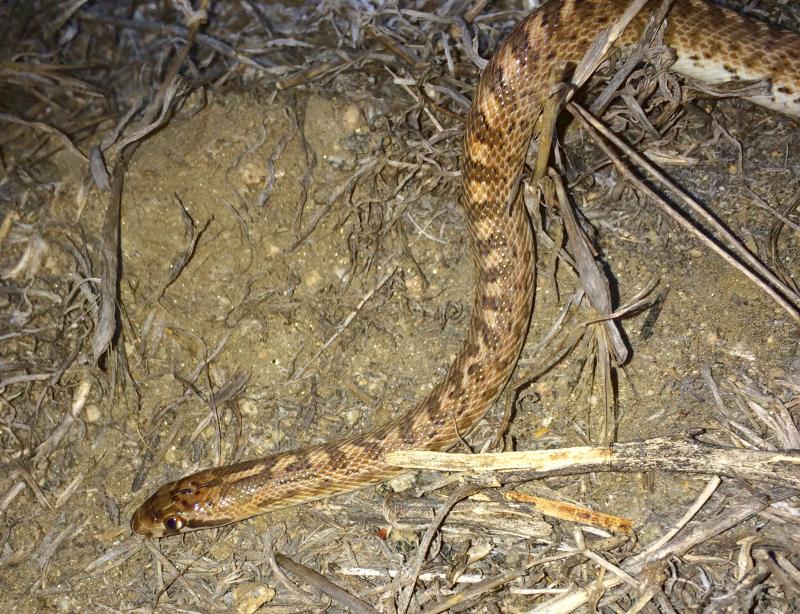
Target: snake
<point>711,44</point>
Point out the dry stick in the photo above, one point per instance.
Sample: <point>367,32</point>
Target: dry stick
<point>582,550</point>
<point>67,142</point>
<point>697,534</point>
<point>191,236</point>
<point>20,472</point>
<point>60,432</point>
<point>322,583</point>
<point>704,530</point>
<point>774,232</point>
<point>609,343</point>
<point>310,74</point>
<point>197,20</point>
<point>177,31</point>
<point>107,321</point>
<point>701,500</point>
<point>485,513</point>
<point>280,576</point>
<point>657,454</point>
<point>570,512</point>
<point>783,298</point>
<point>110,251</point>
<point>368,165</point>
<point>637,56</point>
<point>592,278</point>
<point>460,493</point>
<point>462,598</point>
<point>403,52</point>
<point>204,600</point>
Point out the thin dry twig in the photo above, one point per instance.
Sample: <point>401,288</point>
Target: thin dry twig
<point>771,284</point>
<point>680,455</point>
<point>321,583</point>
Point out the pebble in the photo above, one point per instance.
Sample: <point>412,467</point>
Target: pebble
<point>776,373</point>
<point>402,482</point>
<point>352,417</point>
<point>252,173</point>
<point>249,596</point>
<point>92,413</point>
<point>353,120</point>
<point>248,408</point>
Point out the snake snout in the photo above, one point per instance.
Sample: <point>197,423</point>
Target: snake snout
<point>144,521</point>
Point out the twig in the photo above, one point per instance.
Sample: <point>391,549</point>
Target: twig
<point>71,147</point>
<point>786,298</point>
<point>322,583</point>
<point>106,325</point>
<point>462,492</point>
<point>658,454</point>
<point>178,31</point>
<point>694,535</point>
<point>701,500</point>
<point>572,513</point>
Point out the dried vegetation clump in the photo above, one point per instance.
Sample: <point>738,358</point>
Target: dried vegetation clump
<point>231,228</point>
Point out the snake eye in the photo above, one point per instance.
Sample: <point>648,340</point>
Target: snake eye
<point>173,523</point>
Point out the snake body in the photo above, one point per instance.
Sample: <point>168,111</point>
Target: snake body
<point>711,44</point>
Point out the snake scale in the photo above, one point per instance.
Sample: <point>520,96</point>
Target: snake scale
<point>712,44</point>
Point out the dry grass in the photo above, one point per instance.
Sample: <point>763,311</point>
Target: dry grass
<point>113,378</point>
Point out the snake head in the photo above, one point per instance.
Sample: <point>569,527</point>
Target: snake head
<point>176,508</point>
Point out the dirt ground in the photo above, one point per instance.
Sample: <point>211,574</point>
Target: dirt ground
<point>296,255</point>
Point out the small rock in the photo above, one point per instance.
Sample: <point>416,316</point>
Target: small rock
<point>249,596</point>
<point>92,413</point>
<point>342,269</point>
<point>252,173</point>
<point>776,373</point>
<point>402,482</point>
<point>248,408</point>
<point>353,120</point>
<point>352,417</point>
